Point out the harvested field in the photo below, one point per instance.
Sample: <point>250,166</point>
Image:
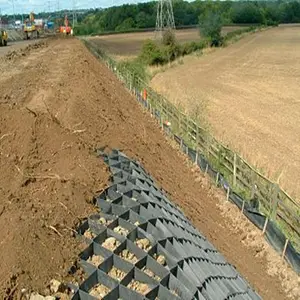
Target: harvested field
<point>58,103</point>
<point>250,92</point>
<point>130,44</point>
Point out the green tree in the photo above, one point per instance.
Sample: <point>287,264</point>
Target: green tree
<point>247,13</point>
<point>152,54</point>
<point>210,23</point>
<point>126,25</point>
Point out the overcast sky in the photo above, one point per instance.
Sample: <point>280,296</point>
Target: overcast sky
<point>25,6</point>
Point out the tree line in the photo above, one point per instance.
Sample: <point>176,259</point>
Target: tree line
<point>130,17</point>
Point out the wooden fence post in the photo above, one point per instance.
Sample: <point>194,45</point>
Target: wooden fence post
<point>284,248</point>
<point>227,194</point>
<point>275,200</point>
<point>234,169</point>
<point>243,206</point>
<point>196,157</point>
<point>265,225</point>
<point>217,178</point>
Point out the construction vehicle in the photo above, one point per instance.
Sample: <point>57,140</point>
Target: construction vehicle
<point>31,30</point>
<point>3,37</point>
<point>66,29</point>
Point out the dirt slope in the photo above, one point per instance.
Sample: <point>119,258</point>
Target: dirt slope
<point>250,92</point>
<point>57,104</point>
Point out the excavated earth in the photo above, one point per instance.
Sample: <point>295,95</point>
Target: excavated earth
<point>57,104</point>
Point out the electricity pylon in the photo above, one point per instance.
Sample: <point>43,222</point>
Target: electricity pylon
<point>164,18</point>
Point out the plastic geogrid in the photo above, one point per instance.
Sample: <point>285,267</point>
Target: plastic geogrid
<point>141,246</point>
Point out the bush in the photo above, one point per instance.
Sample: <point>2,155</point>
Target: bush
<point>211,25</point>
<point>152,53</point>
<point>190,47</point>
<point>136,68</point>
<point>171,52</point>
<point>168,38</point>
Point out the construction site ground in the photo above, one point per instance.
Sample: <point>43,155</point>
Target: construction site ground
<point>57,104</point>
<point>15,46</point>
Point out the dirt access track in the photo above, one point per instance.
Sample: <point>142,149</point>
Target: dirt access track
<point>250,92</point>
<point>57,104</point>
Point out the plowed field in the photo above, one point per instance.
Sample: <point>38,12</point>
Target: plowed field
<point>250,95</point>
<point>57,104</point>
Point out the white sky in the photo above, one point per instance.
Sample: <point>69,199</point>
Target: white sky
<point>25,6</point>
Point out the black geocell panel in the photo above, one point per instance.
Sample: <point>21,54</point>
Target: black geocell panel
<point>192,269</point>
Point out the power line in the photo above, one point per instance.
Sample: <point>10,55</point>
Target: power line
<point>164,17</point>
<point>74,13</point>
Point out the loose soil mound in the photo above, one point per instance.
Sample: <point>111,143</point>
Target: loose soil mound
<point>56,106</point>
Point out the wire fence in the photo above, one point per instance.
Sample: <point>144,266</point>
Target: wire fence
<point>238,177</point>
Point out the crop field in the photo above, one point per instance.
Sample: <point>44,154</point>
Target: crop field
<point>130,44</point>
<point>249,93</point>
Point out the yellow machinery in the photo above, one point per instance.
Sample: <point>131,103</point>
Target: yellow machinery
<point>30,29</point>
<point>3,38</point>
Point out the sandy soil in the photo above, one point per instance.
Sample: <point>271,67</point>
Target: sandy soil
<point>250,92</point>
<point>58,103</point>
<point>14,46</point>
<point>130,44</point>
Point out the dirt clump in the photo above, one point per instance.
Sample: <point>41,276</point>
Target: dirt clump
<point>144,244</point>
<point>160,259</point>
<point>129,256</point>
<point>151,274</point>
<point>111,243</point>
<point>89,234</point>
<point>116,273</point>
<point>121,230</point>
<point>139,287</point>
<point>104,222</point>
<point>99,291</point>
<point>95,260</point>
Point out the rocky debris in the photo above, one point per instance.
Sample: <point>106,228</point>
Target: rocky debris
<point>116,273</point>
<point>104,221</point>
<point>95,260</point>
<point>111,243</point>
<point>144,244</point>
<point>151,274</point>
<point>160,259</point>
<point>56,286</point>
<point>139,287</point>
<point>36,296</point>
<point>89,234</point>
<point>174,292</point>
<point>99,291</point>
<point>121,230</point>
<point>127,255</point>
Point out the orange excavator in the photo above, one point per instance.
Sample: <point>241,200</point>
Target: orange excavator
<point>66,29</point>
